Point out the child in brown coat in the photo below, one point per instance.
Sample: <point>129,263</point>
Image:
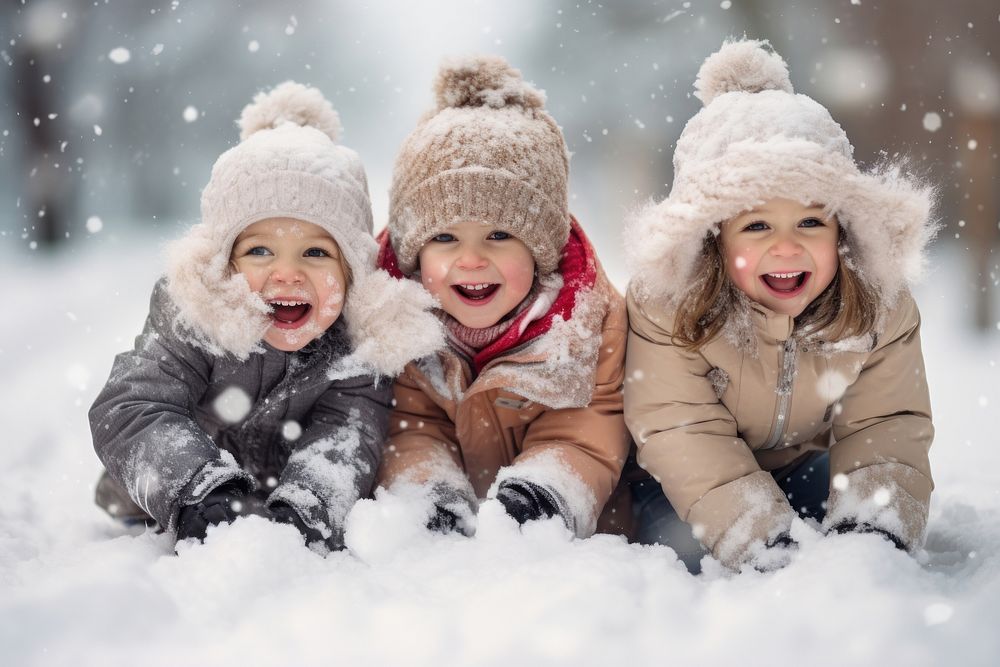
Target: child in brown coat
<point>524,404</point>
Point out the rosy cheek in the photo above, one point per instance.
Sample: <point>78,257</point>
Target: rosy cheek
<point>432,276</point>
<point>335,296</point>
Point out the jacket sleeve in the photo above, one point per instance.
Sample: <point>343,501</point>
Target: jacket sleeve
<point>688,441</point>
<point>143,426</point>
<point>879,462</point>
<point>422,447</point>
<point>579,453</point>
<point>334,461</point>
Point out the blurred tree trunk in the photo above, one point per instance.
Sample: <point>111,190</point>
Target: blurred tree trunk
<point>48,185</point>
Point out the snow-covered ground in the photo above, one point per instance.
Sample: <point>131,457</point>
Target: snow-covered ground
<point>77,589</point>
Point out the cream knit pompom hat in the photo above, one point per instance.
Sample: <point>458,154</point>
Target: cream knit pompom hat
<point>487,152</point>
<point>755,139</point>
<point>288,165</point>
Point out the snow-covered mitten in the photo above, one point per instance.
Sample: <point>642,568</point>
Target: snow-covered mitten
<point>848,526</point>
<point>221,505</point>
<point>283,513</point>
<point>526,501</point>
<point>453,511</point>
<point>773,555</point>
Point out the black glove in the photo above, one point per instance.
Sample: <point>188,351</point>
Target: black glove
<point>221,505</point>
<point>526,501</point>
<point>776,553</point>
<point>453,511</point>
<point>849,526</point>
<point>443,521</point>
<point>283,513</point>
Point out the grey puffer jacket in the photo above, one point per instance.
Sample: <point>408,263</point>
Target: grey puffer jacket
<point>175,422</point>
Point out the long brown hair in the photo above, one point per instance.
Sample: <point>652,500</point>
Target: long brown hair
<point>847,307</point>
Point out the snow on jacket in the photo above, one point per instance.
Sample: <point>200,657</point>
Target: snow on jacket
<point>544,405</point>
<point>170,428</point>
<point>712,424</point>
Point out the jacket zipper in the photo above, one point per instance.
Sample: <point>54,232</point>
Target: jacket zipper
<point>784,390</point>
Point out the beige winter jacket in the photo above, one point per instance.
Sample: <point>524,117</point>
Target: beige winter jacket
<point>711,425</point>
<point>548,411</point>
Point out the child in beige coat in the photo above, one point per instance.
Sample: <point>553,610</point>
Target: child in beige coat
<point>774,365</point>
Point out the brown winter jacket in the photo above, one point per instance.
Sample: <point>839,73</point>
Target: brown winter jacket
<point>712,424</point>
<point>548,410</point>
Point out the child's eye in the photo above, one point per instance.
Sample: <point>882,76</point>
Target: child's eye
<point>444,238</point>
<point>315,252</point>
<point>811,222</point>
<point>755,227</point>
<point>259,250</point>
<point>498,236</point>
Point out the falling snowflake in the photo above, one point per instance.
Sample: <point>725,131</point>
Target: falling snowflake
<point>232,405</point>
<point>932,121</point>
<point>840,482</point>
<point>119,55</point>
<point>291,430</point>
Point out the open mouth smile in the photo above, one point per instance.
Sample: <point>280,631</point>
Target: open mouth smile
<point>289,313</point>
<point>476,294</point>
<point>786,285</point>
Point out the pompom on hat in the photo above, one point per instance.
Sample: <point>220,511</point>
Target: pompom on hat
<point>489,152</point>
<point>756,139</point>
<point>288,165</point>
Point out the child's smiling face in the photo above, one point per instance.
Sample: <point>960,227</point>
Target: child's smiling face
<point>298,270</point>
<point>477,272</point>
<point>782,254</point>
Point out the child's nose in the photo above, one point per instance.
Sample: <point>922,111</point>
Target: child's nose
<point>786,246</point>
<point>471,258</point>
<point>287,271</point>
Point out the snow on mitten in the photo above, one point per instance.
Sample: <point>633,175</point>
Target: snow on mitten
<point>527,501</point>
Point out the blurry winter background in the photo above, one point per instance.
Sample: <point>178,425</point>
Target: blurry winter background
<point>111,115</point>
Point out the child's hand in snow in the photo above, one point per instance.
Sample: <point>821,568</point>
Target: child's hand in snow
<point>222,505</point>
<point>282,513</point>
<point>773,555</point>
<point>526,501</point>
<point>848,526</point>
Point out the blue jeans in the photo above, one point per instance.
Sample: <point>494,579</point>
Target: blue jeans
<point>807,486</point>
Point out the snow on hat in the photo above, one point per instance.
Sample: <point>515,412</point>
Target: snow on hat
<point>755,139</point>
<point>487,152</point>
<point>288,165</point>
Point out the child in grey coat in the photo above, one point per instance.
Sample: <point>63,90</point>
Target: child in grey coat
<point>254,387</point>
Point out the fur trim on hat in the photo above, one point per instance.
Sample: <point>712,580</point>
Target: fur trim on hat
<point>391,323</point>
<point>217,310</point>
<point>744,148</point>
<point>290,102</point>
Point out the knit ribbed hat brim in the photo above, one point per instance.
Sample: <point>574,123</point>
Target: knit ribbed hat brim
<point>496,197</point>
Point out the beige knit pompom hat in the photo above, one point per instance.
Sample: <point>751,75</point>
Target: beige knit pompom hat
<point>487,152</point>
<point>288,164</point>
<point>756,139</point>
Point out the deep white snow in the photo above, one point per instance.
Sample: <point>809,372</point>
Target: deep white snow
<point>77,589</point>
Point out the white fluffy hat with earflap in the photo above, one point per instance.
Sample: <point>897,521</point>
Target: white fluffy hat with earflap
<point>755,139</point>
<point>289,165</point>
